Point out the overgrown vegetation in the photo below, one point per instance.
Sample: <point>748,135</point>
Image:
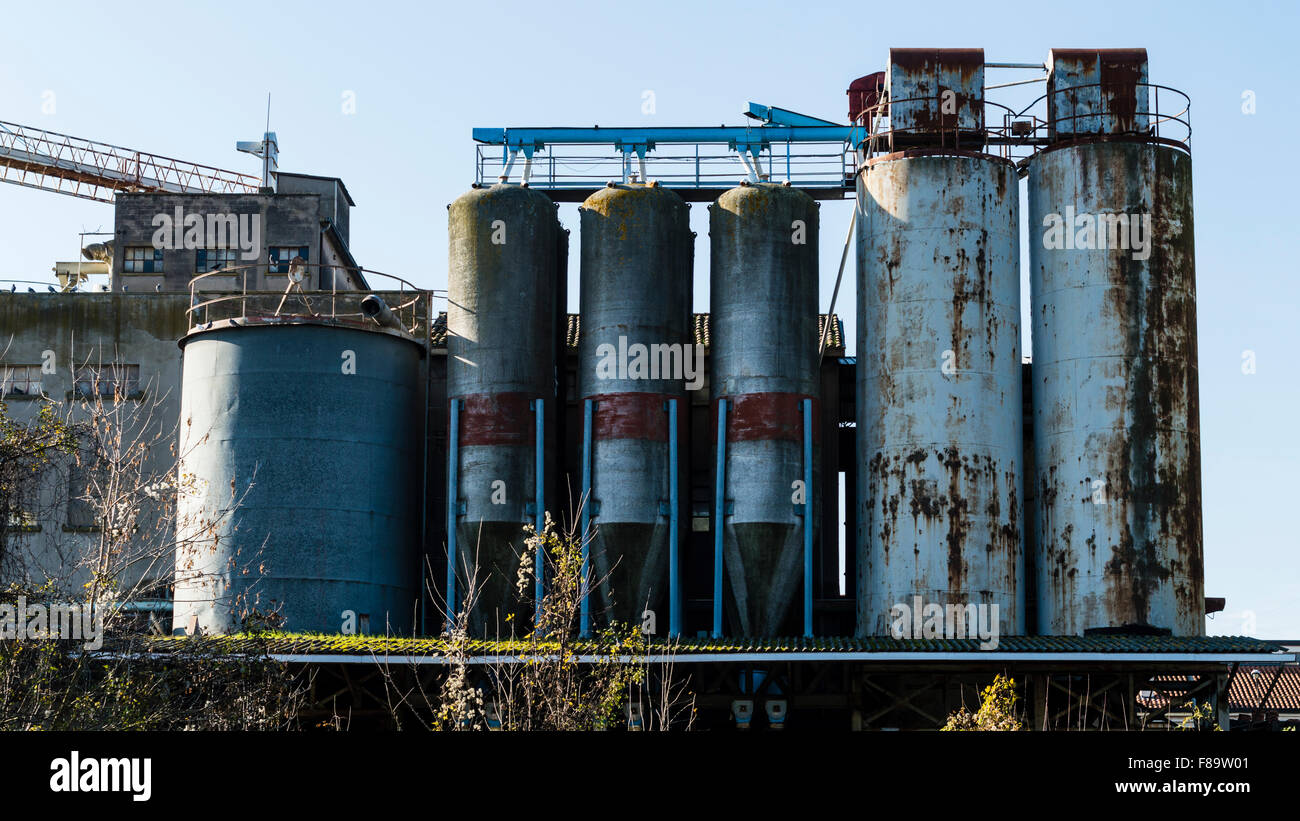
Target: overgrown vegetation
<point>554,679</point>
<point>114,458</point>
<point>997,710</point>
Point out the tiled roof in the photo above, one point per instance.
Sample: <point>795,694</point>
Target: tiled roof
<point>700,327</point>
<point>1251,683</point>
<point>1249,687</point>
<point>440,330</point>
<point>314,644</point>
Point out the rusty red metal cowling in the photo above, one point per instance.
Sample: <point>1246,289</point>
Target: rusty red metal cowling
<point>632,415</point>
<point>497,419</point>
<point>771,416</point>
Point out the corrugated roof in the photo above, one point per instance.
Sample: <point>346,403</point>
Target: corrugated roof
<point>315,644</point>
<point>700,326</point>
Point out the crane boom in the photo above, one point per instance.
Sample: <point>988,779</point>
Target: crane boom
<point>50,161</point>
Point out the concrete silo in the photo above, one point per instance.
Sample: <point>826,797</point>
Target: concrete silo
<point>1112,277</point>
<point>505,295</point>
<point>635,340</point>
<point>300,470</point>
<point>939,385</point>
<point>765,385</point>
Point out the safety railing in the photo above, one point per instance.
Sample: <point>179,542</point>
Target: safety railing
<point>1100,111</point>
<point>1015,134</point>
<point>224,294</point>
<point>582,166</point>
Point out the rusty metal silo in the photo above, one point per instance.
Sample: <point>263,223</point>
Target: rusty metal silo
<point>1116,439</point>
<point>765,388</point>
<point>634,344</point>
<point>504,299</point>
<point>939,383</point>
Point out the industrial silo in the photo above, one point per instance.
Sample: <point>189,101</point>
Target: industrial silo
<point>504,298</point>
<point>635,340</point>
<point>939,385</point>
<point>764,383</point>
<point>300,471</point>
<point>1116,442</point>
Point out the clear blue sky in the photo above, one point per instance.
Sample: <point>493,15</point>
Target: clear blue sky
<point>188,80</point>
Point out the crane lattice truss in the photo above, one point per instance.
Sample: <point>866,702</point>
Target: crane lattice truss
<point>42,159</point>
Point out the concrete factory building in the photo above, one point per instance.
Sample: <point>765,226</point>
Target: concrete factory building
<point>388,444</point>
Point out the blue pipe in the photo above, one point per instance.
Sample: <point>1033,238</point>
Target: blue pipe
<point>719,517</point>
<point>588,406</point>
<point>453,500</point>
<point>807,520</point>
<point>539,568</point>
<point>674,580</point>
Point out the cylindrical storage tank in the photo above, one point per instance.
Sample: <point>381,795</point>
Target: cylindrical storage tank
<point>1116,426</point>
<point>764,362</point>
<point>503,303</point>
<point>300,471</point>
<point>634,351</point>
<point>939,388</point>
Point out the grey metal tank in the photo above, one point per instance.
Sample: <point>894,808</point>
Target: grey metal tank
<point>1116,423</point>
<point>939,386</point>
<point>300,462</point>
<point>764,361</point>
<point>504,297</point>
<point>635,321</point>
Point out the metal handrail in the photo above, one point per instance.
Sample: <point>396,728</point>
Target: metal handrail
<point>880,135</point>
<point>710,165</point>
<point>1183,116</point>
<point>418,297</point>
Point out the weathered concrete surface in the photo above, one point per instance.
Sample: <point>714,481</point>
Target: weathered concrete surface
<point>637,252</point>
<point>1116,418</point>
<point>301,478</point>
<point>939,387</point>
<point>764,361</point>
<point>93,330</point>
<point>503,333</point>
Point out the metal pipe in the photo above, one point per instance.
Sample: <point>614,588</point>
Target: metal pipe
<point>674,578</point>
<point>378,310</point>
<point>844,255</point>
<point>1042,79</point>
<point>453,500</point>
<point>539,569</point>
<point>1016,65</point>
<point>719,515</point>
<point>588,406</point>
<point>807,519</point>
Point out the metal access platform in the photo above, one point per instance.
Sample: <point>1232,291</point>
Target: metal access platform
<point>570,164</point>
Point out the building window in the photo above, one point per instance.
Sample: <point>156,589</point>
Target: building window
<point>283,255</point>
<point>142,259</point>
<point>213,259</point>
<point>20,380</point>
<point>114,381</point>
<point>20,521</point>
<point>84,477</point>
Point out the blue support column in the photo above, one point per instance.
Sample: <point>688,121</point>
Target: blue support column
<point>453,503</point>
<point>588,408</point>
<point>719,517</point>
<point>807,519</point>
<point>539,566</point>
<point>674,560</point>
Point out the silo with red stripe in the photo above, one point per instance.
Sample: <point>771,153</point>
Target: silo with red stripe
<point>505,295</point>
<point>764,363</point>
<point>635,357</point>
